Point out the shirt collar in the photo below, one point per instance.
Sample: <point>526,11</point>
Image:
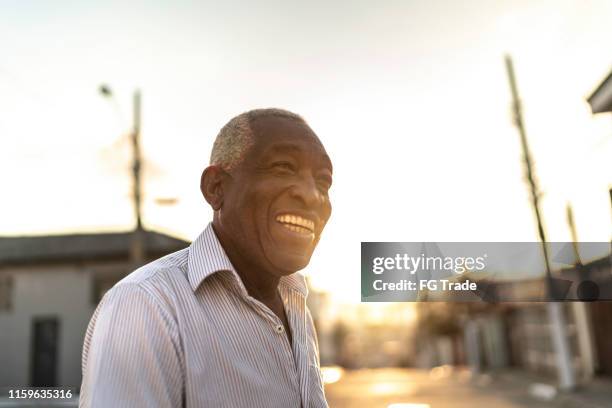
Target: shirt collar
<point>207,257</point>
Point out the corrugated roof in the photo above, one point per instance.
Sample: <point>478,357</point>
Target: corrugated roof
<point>29,249</point>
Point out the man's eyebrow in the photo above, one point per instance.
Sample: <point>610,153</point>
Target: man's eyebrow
<point>328,161</point>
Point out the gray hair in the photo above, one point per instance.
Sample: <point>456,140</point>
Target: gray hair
<point>236,137</point>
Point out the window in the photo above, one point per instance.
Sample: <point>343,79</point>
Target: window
<point>6,293</point>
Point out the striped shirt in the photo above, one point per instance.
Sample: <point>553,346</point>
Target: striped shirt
<point>182,331</point>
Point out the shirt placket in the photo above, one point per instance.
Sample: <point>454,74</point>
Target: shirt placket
<point>279,330</point>
<point>295,305</point>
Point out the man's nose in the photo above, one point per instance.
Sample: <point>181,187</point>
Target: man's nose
<point>305,189</point>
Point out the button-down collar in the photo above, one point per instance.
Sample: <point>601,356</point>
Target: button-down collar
<point>207,257</point>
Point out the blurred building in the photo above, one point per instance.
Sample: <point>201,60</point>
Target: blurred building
<point>371,335</point>
<point>598,330</point>
<point>601,99</point>
<point>319,305</point>
<point>49,288</point>
<point>518,334</point>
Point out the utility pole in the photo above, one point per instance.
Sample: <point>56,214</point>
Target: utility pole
<point>137,254</point>
<point>555,310</point>
<point>582,318</point>
<point>137,244</point>
<point>610,191</point>
<point>572,227</point>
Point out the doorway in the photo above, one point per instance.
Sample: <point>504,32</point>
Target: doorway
<point>45,333</point>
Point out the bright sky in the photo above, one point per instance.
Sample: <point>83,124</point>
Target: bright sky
<point>409,97</point>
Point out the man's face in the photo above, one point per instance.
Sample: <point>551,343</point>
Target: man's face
<point>276,201</point>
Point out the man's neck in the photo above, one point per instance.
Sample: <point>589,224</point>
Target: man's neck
<point>259,284</point>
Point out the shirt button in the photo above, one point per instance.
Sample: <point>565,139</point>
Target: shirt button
<point>279,329</point>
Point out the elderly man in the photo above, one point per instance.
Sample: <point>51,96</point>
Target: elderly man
<point>224,322</point>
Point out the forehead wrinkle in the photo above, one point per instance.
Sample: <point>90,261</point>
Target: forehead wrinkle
<point>281,148</point>
<point>287,147</point>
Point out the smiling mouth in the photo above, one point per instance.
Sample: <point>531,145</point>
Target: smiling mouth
<point>297,224</point>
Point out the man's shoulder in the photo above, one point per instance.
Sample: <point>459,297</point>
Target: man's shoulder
<point>158,278</point>
<point>160,268</point>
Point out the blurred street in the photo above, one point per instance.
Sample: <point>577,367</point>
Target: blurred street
<point>440,387</point>
<point>437,388</point>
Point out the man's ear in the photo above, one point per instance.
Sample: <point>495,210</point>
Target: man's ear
<point>212,185</point>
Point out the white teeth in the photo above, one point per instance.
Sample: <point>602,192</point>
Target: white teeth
<point>296,223</point>
<point>295,228</point>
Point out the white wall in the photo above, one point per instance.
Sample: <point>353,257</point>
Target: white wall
<point>61,291</point>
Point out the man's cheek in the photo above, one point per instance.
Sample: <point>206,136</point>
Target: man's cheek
<point>326,215</point>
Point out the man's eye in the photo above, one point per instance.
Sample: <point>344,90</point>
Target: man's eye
<point>324,184</point>
<point>284,166</point>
